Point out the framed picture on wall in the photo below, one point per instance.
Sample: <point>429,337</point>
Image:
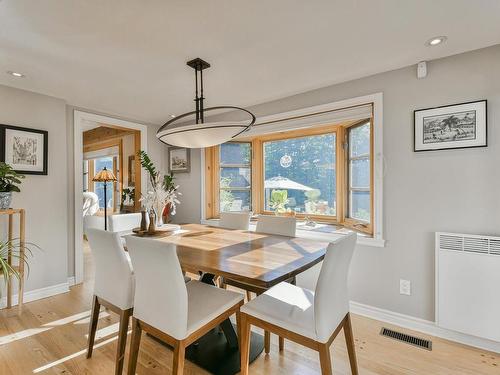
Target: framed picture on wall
<point>179,160</point>
<point>131,170</point>
<point>26,150</point>
<point>452,126</point>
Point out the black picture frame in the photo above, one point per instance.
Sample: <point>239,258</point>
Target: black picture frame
<point>45,152</point>
<point>440,108</point>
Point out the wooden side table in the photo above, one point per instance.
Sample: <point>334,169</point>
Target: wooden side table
<point>20,267</point>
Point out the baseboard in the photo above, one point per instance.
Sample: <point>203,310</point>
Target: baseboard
<point>71,281</point>
<point>422,325</point>
<point>37,294</point>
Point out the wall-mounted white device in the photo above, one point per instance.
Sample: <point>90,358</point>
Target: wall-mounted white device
<point>422,69</point>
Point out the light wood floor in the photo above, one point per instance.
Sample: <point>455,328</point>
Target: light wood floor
<point>49,337</point>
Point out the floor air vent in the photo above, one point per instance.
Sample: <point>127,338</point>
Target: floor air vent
<point>415,341</point>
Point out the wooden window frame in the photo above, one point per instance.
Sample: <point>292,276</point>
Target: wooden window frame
<point>212,170</point>
<point>353,223</point>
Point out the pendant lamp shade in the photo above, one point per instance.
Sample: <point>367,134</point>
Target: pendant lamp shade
<point>190,130</point>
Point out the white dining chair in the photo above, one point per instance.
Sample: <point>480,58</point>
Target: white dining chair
<point>312,319</point>
<point>278,225</point>
<point>114,287</point>
<point>169,309</point>
<point>235,220</point>
<point>124,223</point>
<point>281,226</point>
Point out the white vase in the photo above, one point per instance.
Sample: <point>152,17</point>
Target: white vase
<point>158,209</point>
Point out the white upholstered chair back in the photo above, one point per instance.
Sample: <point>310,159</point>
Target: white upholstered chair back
<point>90,203</point>
<point>235,220</point>
<point>114,277</point>
<point>331,300</point>
<point>124,223</point>
<point>279,225</point>
<point>161,298</point>
<point>94,221</point>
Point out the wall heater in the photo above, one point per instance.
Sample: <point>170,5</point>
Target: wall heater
<point>468,284</point>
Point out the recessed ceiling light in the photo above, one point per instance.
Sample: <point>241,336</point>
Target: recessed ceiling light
<point>435,41</point>
<point>16,74</point>
<point>173,116</point>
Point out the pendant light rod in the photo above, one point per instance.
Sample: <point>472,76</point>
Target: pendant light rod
<point>199,65</point>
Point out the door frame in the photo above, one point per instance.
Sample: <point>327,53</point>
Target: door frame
<point>79,119</point>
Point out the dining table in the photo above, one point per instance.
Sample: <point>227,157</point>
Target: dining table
<point>256,260</point>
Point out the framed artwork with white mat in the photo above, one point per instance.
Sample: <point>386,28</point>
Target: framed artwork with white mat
<point>25,149</point>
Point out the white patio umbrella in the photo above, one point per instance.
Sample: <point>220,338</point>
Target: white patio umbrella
<point>284,183</point>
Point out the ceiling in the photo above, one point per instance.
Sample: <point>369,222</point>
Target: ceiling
<point>127,58</point>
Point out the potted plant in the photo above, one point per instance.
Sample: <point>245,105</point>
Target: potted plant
<point>9,182</point>
<point>13,248</point>
<point>278,201</point>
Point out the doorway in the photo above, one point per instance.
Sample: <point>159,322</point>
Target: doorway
<point>102,141</point>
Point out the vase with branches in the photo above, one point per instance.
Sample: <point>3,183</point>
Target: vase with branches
<point>162,191</point>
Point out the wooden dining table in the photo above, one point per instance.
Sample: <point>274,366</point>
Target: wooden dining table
<point>256,260</point>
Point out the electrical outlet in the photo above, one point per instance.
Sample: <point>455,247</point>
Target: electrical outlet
<point>405,287</point>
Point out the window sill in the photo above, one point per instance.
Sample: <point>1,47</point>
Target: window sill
<point>322,232</point>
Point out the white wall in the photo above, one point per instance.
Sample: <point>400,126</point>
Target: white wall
<point>454,190</point>
<point>42,196</point>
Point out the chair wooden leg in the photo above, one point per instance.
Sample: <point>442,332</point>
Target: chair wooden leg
<point>267,342</point>
<point>122,340</point>
<point>324,359</point>
<point>135,342</point>
<point>249,296</point>
<point>94,318</point>
<point>244,344</point>
<point>349,339</point>
<point>282,344</point>
<point>179,353</point>
<point>238,327</point>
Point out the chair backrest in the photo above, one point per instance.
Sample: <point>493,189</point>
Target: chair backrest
<point>235,220</point>
<point>114,277</point>
<point>279,225</point>
<point>124,223</point>
<point>90,203</point>
<point>331,300</point>
<point>161,298</point>
<point>94,221</point>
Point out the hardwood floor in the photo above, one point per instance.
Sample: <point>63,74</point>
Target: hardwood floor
<point>49,337</point>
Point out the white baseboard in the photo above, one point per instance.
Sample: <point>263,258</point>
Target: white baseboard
<point>71,281</point>
<point>36,294</point>
<point>422,325</point>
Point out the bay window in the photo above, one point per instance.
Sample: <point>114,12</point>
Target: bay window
<point>322,173</point>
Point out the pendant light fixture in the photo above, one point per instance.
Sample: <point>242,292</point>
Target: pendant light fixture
<point>190,129</point>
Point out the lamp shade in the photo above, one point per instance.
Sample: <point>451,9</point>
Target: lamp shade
<point>104,176</point>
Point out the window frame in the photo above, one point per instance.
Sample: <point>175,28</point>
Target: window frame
<point>220,166</point>
<point>350,222</point>
<point>212,170</point>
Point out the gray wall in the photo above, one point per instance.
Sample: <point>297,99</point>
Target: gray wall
<point>454,190</point>
<point>45,198</point>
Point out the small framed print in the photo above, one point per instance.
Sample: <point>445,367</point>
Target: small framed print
<point>26,150</point>
<point>450,127</point>
<point>179,160</point>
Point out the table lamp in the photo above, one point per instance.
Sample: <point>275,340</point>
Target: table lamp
<point>104,176</point>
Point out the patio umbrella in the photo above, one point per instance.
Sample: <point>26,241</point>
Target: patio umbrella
<point>284,183</point>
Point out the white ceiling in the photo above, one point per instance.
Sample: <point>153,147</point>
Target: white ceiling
<point>128,57</point>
